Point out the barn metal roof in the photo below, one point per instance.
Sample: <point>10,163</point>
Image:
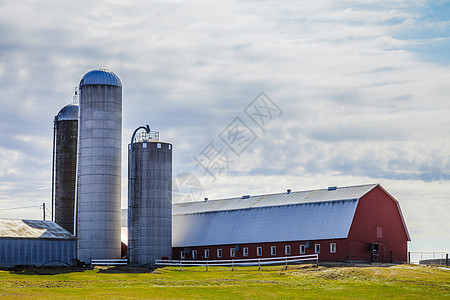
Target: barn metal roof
<point>302,197</point>
<point>32,229</point>
<point>312,215</point>
<point>100,76</point>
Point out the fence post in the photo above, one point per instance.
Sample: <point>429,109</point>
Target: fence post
<point>317,261</point>
<point>446,260</point>
<point>232,265</point>
<point>206,266</point>
<point>286,262</point>
<point>259,264</point>
<point>180,264</point>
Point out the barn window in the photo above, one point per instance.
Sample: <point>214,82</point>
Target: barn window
<point>206,253</point>
<point>332,247</point>
<point>245,251</point>
<point>379,232</point>
<point>232,252</point>
<point>158,145</point>
<point>302,249</point>
<point>194,254</point>
<point>287,250</point>
<point>273,250</point>
<point>181,254</point>
<point>259,251</point>
<point>219,252</point>
<point>317,248</point>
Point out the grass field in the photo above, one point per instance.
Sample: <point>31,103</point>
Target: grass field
<point>402,281</point>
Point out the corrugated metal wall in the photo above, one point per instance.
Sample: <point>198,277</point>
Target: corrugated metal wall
<point>36,252</point>
<point>150,208</point>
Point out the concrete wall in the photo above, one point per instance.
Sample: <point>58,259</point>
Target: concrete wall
<point>150,208</point>
<point>99,178</point>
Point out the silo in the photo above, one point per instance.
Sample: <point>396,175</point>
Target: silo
<point>64,165</point>
<point>150,200</point>
<point>99,166</point>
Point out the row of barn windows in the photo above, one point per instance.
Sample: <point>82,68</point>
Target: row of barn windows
<point>259,251</point>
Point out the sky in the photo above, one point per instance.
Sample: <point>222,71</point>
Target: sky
<point>255,96</point>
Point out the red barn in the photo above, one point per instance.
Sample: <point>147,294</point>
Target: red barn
<point>357,223</point>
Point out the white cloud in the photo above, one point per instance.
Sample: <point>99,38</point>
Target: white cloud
<point>364,99</point>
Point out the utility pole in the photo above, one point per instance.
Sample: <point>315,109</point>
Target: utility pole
<point>43,210</point>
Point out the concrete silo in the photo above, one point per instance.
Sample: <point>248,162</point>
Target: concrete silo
<point>99,166</point>
<point>150,200</point>
<point>65,165</point>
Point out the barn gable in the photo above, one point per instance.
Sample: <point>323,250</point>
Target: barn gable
<point>312,215</point>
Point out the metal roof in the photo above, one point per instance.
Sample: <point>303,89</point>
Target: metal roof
<point>312,215</point>
<point>102,77</point>
<point>302,197</point>
<point>68,112</point>
<point>32,229</point>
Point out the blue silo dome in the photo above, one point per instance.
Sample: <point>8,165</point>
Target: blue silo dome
<point>102,77</point>
<point>68,112</point>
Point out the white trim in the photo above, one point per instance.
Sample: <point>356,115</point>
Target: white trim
<point>302,249</point>
<point>258,251</point>
<point>332,247</point>
<point>316,248</point>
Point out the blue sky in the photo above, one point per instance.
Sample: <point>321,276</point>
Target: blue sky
<point>363,88</point>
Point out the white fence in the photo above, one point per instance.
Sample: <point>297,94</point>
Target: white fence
<point>428,258</point>
<point>109,262</point>
<point>314,258</point>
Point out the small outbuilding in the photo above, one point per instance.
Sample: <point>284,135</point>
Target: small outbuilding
<point>35,243</point>
<point>356,223</point>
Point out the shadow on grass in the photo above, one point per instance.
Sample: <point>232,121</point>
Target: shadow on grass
<point>122,269</point>
<point>45,270</point>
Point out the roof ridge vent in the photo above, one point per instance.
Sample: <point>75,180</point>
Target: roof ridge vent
<point>245,196</point>
<point>332,188</point>
<point>288,191</point>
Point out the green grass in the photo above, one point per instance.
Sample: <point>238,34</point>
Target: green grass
<point>401,282</point>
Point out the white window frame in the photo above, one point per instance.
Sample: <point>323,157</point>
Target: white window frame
<point>287,250</point>
<point>182,254</point>
<point>273,250</point>
<point>258,251</point>
<point>194,254</point>
<point>245,251</point>
<point>302,249</point>
<point>206,253</point>
<point>316,248</point>
<point>232,252</point>
<point>332,247</point>
<point>219,252</point>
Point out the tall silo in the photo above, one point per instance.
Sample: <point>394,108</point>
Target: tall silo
<point>65,165</point>
<point>99,166</point>
<point>150,200</point>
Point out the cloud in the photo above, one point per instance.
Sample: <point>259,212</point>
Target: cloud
<point>363,88</point>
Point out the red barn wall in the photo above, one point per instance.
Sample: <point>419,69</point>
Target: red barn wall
<point>377,220</point>
<point>324,255</point>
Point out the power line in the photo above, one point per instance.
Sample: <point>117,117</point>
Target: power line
<point>21,207</point>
